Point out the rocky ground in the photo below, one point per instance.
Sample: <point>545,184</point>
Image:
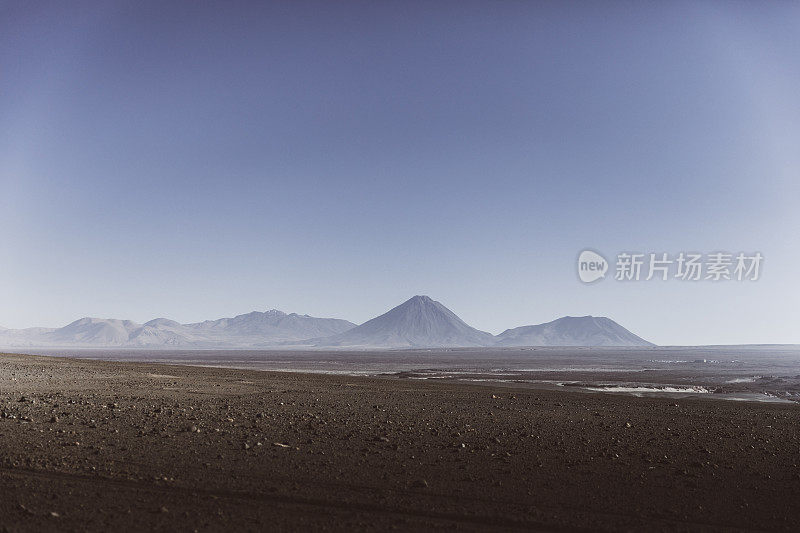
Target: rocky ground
<point>91,446</point>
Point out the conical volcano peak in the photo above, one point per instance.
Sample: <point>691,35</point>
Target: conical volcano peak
<point>418,322</point>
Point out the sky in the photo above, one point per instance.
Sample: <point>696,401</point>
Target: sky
<point>205,159</point>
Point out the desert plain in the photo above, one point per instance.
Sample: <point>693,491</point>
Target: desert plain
<point>90,445</point>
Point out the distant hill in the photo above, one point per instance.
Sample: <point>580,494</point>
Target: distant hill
<point>416,323</point>
<point>572,331</point>
<point>94,331</point>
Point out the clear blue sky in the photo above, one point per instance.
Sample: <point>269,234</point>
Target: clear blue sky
<point>335,158</point>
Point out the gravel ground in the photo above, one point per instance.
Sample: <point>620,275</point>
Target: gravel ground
<point>98,446</point>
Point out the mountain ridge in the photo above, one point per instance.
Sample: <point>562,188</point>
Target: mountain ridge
<point>252,329</point>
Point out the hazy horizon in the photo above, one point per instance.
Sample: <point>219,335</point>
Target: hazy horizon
<point>496,334</point>
<point>193,162</point>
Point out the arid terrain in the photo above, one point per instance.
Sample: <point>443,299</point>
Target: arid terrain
<point>99,446</point>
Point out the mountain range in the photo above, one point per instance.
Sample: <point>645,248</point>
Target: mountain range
<point>256,329</point>
<point>419,322</point>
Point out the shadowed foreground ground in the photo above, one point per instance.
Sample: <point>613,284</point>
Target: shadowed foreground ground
<point>88,445</point>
